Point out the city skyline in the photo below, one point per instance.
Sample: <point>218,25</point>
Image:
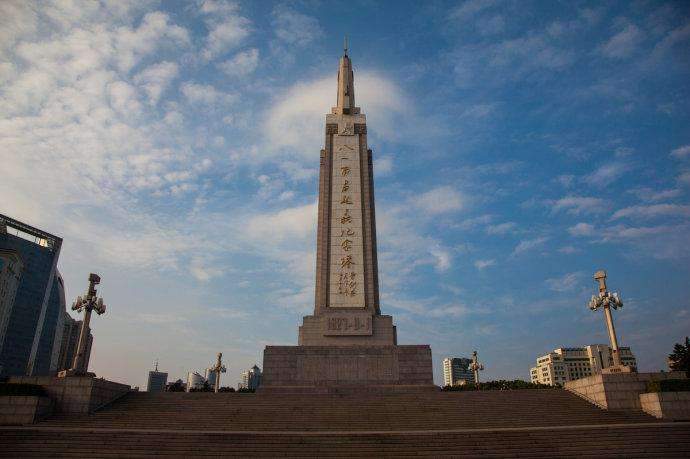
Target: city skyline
<point>174,148</point>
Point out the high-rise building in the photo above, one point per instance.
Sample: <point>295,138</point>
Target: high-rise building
<point>456,371</point>
<point>11,268</point>
<point>71,329</point>
<point>570,363</point>
<point>33,331</point>
<point>157,380</point>
<point>250,379</point>
<point>211,377</point>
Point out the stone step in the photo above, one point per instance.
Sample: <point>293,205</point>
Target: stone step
<point>649,440</point>
<point>439,410</point>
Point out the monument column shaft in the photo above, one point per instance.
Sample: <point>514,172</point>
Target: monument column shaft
<point>612,335</point>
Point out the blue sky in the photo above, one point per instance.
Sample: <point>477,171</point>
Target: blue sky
<point>519,146</point>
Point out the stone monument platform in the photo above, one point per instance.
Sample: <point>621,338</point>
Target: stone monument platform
<point>345,369</point>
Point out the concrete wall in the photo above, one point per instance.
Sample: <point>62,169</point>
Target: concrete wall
<point>620,391</point>
<point>76,394</point>
<point>18,409</point>
<point>671,406</point>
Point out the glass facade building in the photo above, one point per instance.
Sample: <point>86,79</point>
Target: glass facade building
<point>35,317</point>
<point>157,381</point>
<point>456,371</point>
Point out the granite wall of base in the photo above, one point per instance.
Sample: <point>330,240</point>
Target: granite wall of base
<point>76,394</point>
<point>332,369</point>
<point>24,409</point>
<point>670,406</point>
<point>617,391</point>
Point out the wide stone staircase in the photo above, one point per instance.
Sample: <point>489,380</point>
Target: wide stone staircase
<point>520,423</point>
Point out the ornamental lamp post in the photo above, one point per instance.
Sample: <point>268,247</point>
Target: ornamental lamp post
<point>89,303</point>
<point>475,366</point>
<point>218,368</point>
<point>608,300</point>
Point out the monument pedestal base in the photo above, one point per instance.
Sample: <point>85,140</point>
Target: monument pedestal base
<point>613,369</point>
<point>343,369</point>
<point>347,329</point>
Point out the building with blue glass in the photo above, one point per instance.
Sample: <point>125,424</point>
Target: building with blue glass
<point>33,333</point>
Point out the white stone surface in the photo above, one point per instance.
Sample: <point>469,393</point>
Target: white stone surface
<point>346,289</point>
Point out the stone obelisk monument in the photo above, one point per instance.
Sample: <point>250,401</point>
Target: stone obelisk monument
<point>346,343</point>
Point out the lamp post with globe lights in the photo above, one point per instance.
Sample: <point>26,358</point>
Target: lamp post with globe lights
<point>607,300</point>
<point>475,366</point>
<point>218,368</point>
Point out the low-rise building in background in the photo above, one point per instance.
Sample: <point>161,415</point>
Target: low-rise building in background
<point>195,381</point>
<point>570,363</point>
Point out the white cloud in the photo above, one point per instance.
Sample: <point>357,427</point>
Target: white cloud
<point>295,121</point>
<point>481,264</point>
<point>581,229</point>
<point>577,205</point>
<point>652,211</point>
<point>566,180</point>
<point>202,270</point>
<point>383,165</point>
<point>606,174</point>
<point>294,222</point>
<point>438,200</point>
<point>227,28</point>
<point>648,194</point>
<point>684,178</point>
<point>442,258</point>
<point>293,28</point>
<point>501,228</point>
<point>681,152</point>
<point>624,43</point>
<point>529,244</point>
<point>241,64</point>
<point>565,283</point>
<point>18,19</point>
<point>205,94</point>
<point>568,249</point>
<point>156,78</point>
<point>155,31</point>
<point>470,8</point>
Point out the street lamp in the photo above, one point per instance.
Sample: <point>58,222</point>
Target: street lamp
<point>607,300</point>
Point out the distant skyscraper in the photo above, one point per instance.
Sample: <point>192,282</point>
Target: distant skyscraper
<point>456,371</point>
<point>157,380</point>
<point>33,331</point>
<point>251,379</point>
<point>569,363</point>
<point>69,342</point>
<point>210,377</point>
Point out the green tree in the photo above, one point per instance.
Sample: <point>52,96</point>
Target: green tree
<point>680,359</point>
<point>177,386</point>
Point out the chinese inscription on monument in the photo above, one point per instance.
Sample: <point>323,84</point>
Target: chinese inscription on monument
<point>347,260</point>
